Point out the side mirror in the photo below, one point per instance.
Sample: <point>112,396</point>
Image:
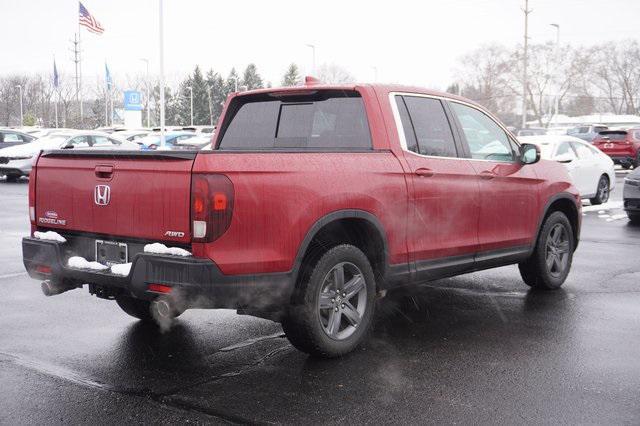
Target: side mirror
<point>529,153</point>
<point>564,158</point>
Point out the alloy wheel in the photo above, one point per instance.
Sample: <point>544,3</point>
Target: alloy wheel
<point>343,300</point>
<point>557,250</point>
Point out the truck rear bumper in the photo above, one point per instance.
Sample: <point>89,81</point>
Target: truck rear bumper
<point>198,282</point>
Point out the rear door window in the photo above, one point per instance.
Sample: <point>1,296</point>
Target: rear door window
<point>431,135</point>
<point>326,120</point>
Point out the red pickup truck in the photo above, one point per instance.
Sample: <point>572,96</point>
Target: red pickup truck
<point>312,202</point>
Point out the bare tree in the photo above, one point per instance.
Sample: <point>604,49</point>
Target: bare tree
<point>334,74</point>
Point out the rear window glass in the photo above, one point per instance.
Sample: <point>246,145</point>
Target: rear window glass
<point>613,135</point>
<point>324,120</point>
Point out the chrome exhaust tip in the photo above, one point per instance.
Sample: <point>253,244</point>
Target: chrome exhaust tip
<point>50,288</point>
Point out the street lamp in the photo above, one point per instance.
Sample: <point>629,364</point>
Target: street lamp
<point>146,60</point>
<point>557,55</point>
<point>21,117</point>
<point>313,57</point>
<point>557,27</point>
<point>191,90</point>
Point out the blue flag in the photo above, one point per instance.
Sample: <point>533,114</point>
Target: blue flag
<point>107,76</point>
<point>56,78</point>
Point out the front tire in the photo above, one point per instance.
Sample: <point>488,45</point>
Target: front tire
<point>550,263</point>
<point>337,304</point>
<point>603,191</point>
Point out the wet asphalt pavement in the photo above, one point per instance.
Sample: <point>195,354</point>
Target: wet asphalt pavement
<point>480,348</point>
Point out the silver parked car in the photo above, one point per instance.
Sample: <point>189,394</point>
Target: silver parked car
<point>16,161</point>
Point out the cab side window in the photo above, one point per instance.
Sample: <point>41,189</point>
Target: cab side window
<point>426,127</point>
<point>485,138</point>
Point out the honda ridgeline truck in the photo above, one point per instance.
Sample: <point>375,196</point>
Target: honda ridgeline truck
<point>312,202</point>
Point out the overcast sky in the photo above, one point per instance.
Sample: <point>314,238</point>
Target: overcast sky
<point>412,42</point>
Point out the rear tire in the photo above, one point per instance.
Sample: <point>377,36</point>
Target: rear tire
<point>634,218</point>
<point>13,178</point>
<point>337,304</point>
<point>626,166</point>
<point>550,263</point>
<point>137,308</point>
<point>603,191</point>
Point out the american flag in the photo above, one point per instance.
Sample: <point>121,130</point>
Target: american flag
<point>88,21</point>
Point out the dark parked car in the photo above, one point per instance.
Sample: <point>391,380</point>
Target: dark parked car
<point>631,196</point>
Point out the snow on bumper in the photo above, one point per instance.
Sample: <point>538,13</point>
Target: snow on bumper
<point>196,279</point>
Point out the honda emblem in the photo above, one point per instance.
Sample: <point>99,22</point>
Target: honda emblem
<point>102,195</point>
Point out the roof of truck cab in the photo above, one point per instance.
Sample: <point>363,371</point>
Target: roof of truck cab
<point>384,88</point>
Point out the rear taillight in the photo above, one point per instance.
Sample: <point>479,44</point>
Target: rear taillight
<point>32,189</point>
<point>211,206</point>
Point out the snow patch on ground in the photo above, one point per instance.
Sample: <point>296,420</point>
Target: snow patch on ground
<point>121,269</point>
<point>50,236</point>
<point>158,248</point>
<point>602,207</point>
<point>617,217</point>
<point>82,263</point>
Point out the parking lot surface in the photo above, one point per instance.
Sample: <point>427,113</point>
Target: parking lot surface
<point>478,348</point>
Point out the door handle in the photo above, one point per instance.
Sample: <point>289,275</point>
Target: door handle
<point>423,172</point>
<point>487,174</point>
<point>104,172</point>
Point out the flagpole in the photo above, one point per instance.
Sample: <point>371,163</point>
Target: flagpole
<point>55,90</point>
<point>161,18</point>
<point>106,95</point>
<point>80,73</point>
<point>111,102</point>
<point>55,107</point>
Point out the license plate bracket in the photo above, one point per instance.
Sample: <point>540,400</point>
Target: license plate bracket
<point>111,252</point>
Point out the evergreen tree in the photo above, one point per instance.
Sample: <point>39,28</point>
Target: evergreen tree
<point>198,85</point>
<point>232,84</point>
<point>292,76</point>
<point>183,103</point>
<point>251,79</point>
<point>218,95</point>
<point>170,107</point>
<point>200,98</point>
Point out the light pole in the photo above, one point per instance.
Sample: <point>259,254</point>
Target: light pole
<point>146,60</point>
<point>313,57</point>
<point>161,42</point>
<point>21,117</point>
<point>557,55</point>
<point>526,11</point>
<point>191,101</point>
<point>211,104</point>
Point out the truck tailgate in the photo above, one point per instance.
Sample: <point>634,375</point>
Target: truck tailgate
<point>144,195</point>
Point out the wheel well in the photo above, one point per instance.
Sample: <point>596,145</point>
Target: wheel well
<point>355,231</point>
<point>567,207</point>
